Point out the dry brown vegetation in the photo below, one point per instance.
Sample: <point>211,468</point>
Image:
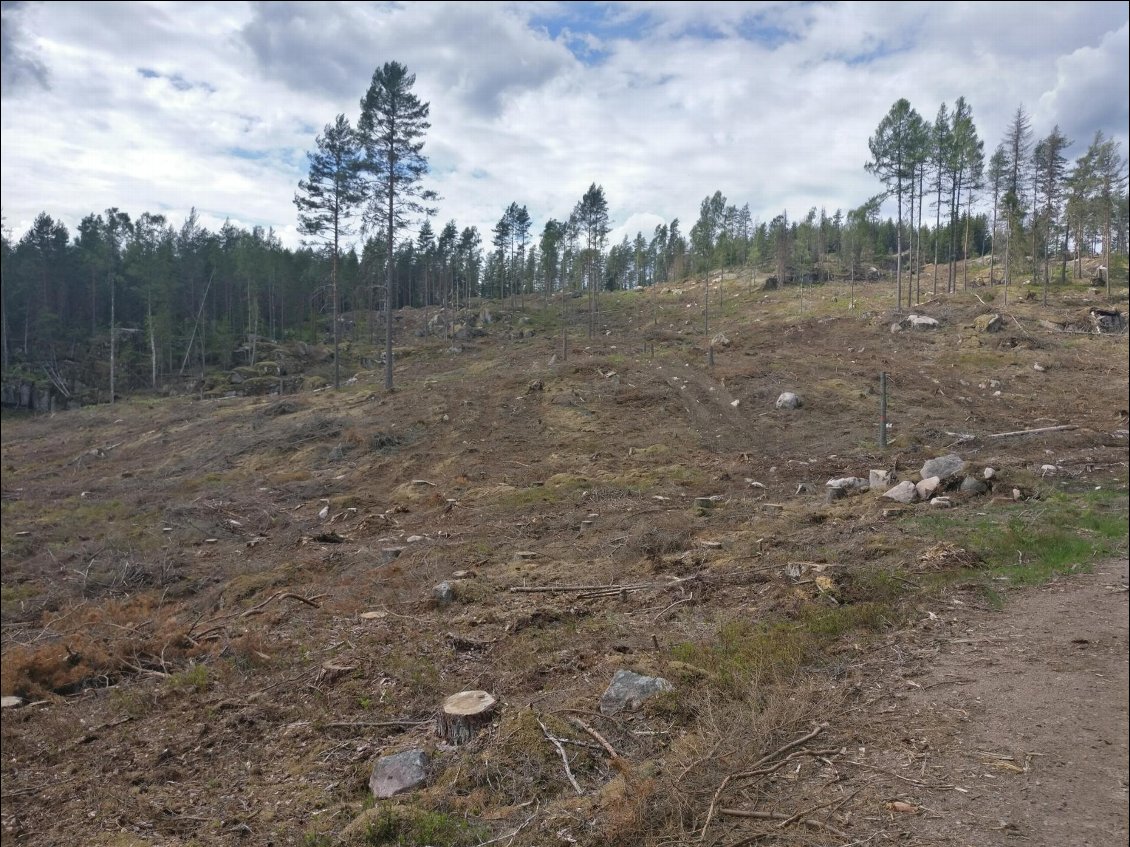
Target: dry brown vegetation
<point>210,661</point>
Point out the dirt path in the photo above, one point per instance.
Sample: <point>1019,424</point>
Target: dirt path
<point>1014,723</point>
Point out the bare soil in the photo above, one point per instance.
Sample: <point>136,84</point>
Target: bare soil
<point>219,612</point>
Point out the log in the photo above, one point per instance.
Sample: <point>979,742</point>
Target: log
<point>462,714</point>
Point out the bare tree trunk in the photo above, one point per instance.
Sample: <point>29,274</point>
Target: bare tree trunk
<point>113,338</point>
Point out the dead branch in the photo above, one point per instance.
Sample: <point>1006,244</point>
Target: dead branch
<point>1033,431</point>
<point>580,724</point>
<point>746,774</point>
<point>283,595</point>
<point>564,757</point>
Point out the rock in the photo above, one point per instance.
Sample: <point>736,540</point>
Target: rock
<point>926,488</point>
<point>735,403</point>
<point>879,479</point>
<point>720,340</point>
<point>943,467</point>
<point>849,484</point>
<point>831,495</point>
<point>413,539</point>
<point>525,555</point>
<point>788,400</point>
<point>941,502</point>
<point>904,492</point>
<point>443,593</point>
<point>462,714</point>
<point>373,616</point>
<point>988,323</point>
<point>920,322</point>
<point>1039,368</point>
<point>972,485</point>
<point>11,702</point>
<point>989,473</point>
<point>398,773</point>
<point>629,690</point>
<point>1048,470</point>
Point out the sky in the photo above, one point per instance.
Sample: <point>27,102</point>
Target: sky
<point>163,107</point>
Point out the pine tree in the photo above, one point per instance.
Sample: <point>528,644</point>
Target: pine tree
<point>891,160</point>
<point>328,199</point>
<point>391,130</point>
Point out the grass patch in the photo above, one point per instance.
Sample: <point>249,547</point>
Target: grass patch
<point>405,827</point>
<point>1033,542</point>
<point>746,656</point>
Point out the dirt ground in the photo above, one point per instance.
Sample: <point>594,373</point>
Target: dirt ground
<point>1013,722</point>
<point>219,611</point>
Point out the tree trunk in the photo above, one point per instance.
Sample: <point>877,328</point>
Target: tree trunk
<point>113,339</point>
<point>462,714</point>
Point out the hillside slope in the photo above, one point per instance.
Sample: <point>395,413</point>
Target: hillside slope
<point>220,613</point>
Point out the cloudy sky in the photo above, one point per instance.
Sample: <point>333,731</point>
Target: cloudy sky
<point>164,106</point>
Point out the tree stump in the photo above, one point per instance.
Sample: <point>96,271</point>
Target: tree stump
<point>462,714</point>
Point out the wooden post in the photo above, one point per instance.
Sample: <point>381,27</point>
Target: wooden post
<point>883,409</point>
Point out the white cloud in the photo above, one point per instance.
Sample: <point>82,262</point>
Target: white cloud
<point>165,106</point>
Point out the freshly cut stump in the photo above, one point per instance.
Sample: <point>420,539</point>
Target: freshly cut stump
<point>462,714</point>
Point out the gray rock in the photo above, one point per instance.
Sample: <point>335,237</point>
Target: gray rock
<point>630,690</point>
<point>927,487</point>
<point>988,323</point>
<point>919,322</point>
<point>972,485</point>
<point>943,467</point>
<point>941,502</point>
<point>788,400</point>
<point>904,492</point>
<point>879,479</point>
<point>11,702</point>
<point>443,593</point>
<point>849,484</point>
<point>398,773</point>
<point>989,473</point>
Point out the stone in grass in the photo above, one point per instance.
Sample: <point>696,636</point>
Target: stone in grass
<point>11,702</point>
<point>904,492</point>
<point>972,485</point>
<point>629,690</point>
<point>927,487</point>
<point>443,594</point>
<point>879,479</point>
<point>788,400</point>
<point>398,773</point>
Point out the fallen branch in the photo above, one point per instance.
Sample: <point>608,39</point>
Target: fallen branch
<point>776,816</point>
<point>283,595</point>
<point>580,724</point>
<point>564,757</point>
<point>1033,431</point>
